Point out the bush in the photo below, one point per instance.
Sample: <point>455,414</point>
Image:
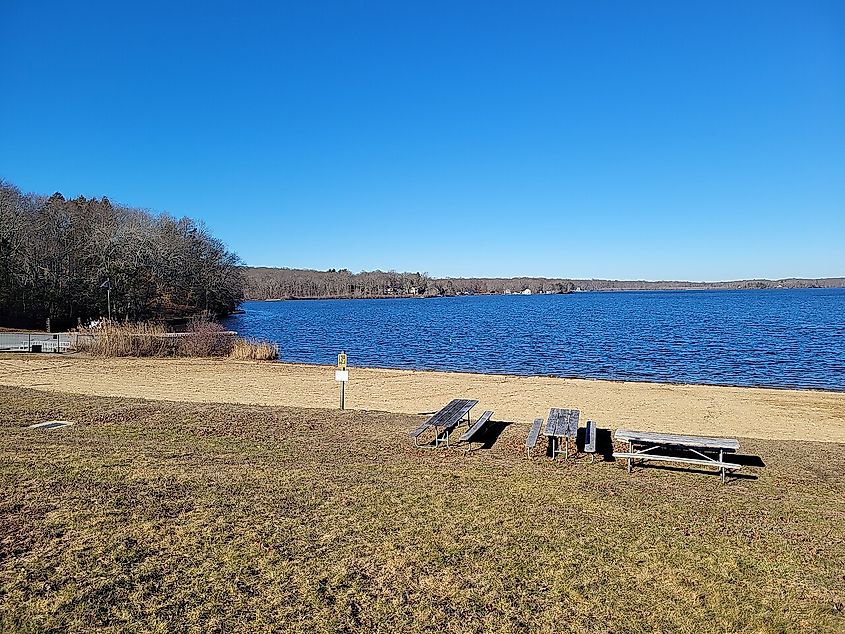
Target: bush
<point>204,338</point>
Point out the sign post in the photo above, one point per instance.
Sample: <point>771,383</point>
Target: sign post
<point>341,375</point>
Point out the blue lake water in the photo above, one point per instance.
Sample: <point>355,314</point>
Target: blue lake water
<point>777,338</point>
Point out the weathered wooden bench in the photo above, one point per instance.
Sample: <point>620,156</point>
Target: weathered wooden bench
<point>590,438</point>
<point>531,441</point>
<point>475,430</point>
<point>645,446</point>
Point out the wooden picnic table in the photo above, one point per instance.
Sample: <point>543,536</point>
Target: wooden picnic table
<point>445,420</point>
<point>644,446</point>
<point>562,424</point>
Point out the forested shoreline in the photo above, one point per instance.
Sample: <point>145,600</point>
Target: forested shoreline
<point>265,283</point>
<point>60,259</point>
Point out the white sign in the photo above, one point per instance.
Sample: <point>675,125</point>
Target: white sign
<point>341,375</point>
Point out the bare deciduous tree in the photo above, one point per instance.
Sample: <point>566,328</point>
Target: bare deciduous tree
<point>55,254</point>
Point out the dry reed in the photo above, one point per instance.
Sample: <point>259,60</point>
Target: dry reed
<point>112,339</point>
<point>247,349</point>
<point>202,338</point>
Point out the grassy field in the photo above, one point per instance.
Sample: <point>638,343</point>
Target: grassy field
<point>161,516</point>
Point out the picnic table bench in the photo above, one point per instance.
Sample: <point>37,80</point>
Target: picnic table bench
<point>444,421</point>
<point>469,435</point>
<point>590,433</point>
<point>532,435</point>
<point>562,424</point>
<point>646,446</point>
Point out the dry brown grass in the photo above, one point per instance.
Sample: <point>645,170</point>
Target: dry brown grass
<point>251,350</point>
<point>113,339</point>
<point>202,338</point>
<point>163,516</point>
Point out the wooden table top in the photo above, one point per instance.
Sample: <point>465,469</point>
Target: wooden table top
<point>677,440</point>
<point>562,423</point>
<point>451,412</point>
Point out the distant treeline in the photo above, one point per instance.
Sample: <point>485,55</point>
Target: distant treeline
<point>272,283</point>
<point>56,255</point>
<point>281,283</point>
<point>546,285</point>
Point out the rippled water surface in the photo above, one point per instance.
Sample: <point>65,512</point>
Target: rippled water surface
<point>778,338</point>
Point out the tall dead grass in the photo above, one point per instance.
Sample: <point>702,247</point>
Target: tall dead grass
<point>247,349</point>
<point>202,338</point>
<point>112,339</point>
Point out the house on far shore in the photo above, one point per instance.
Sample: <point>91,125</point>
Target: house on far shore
<point>527,291</point>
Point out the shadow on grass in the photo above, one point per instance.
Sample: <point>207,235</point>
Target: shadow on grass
<point>747,460</point>
<point>483,439</point>
<point>490,433</point>
<point>604,444</point>
<point>736,475</point>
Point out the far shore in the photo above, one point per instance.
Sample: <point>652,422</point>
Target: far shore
<point>668,289</point>
<point>766,413</point>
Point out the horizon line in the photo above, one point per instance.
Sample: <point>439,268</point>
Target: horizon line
<point>547,277</point>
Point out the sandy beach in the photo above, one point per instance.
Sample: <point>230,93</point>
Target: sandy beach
<point>695,409</point>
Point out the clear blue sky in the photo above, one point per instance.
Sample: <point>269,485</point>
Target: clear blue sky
<point>674,140</point>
